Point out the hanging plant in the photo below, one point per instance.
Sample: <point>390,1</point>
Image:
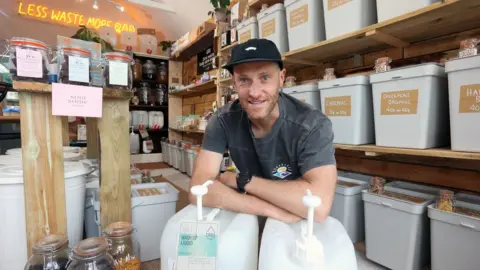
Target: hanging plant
<point>91,35</point>
<point>221,10</point>
<point>166,44</point>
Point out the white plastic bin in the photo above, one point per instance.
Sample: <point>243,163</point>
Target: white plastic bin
<point>348,103</point>
<point>305,23</point>
<point>455,237</point>
<point>346,16</point>
<point>397,230</point>
<point>248,29</point>
<point>411,107</point>
<point>171,154</point>
<point>305,92</point>
<point>69,153</point>
<point>464,95</point>
<point>388,9</point>
<point>181,158</point>
<point>13,248</point>
<point>272,25</point>
<point>175,152</point>
<point>190,160</point>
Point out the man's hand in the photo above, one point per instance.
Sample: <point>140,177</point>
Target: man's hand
<point>229,179</point>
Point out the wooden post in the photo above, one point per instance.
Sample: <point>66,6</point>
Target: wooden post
<point>92,138</point>
<point>65,131</point>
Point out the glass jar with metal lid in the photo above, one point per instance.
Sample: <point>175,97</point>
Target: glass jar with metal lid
<point>117,71</point>
<point>49,253</point>
<point>74,66</point>
<point>125,250</point>
<point>29,60</point>
<point>91,254</point>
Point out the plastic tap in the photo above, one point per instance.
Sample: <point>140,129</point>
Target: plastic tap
<point>311,202</point>
<point>199,191</point>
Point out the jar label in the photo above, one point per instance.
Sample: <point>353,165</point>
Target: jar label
<point>268,28</point>
<point>118,73</point>
<point>299,16</point>
<point>29,63</point>
<point>469,98</point>
<point>197,245</point>
<point>336,3</point>
<point>78,69</point>
<point>245,36</point>
<point>399,102</point>
<point>338,106</point>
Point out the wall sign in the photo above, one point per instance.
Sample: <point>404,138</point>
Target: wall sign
<point>44,13</point>
<point>204,60</point>
<point>76,100</point>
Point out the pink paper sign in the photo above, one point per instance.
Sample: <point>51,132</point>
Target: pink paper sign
<point>75,100</point>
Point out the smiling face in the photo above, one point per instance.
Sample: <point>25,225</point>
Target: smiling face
<point>258,85</point>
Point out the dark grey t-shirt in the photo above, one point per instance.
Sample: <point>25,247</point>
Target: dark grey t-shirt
<point>301,139</point>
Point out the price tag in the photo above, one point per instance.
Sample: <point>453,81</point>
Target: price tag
<point>76,100</point>
<point>29,63</point>
<point>197,245</point>
<point>143,133</point>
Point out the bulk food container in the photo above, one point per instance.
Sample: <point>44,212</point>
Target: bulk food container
<point>29,60</point>
<point>221,239</point>
<point>306,244</point>
<point>347,204</point>
<point>455,236</point>
<point>248,29</point>
<point>69,154</point>
<point>305,92</point>
<point>305,23</point>
<point>410,107</point>
<point>272,25</point>
<point>165,157</point>
<point>188,158</point>
<point>140,119</point>
<point>396,225</point>
<point>50,252</point>
<point>348,104</point>
<point>464,96</point>
<point>117,72</point>
<point>152,206</point>
<point>13,249</point>
<point>346,16</point>
<point>91,253</point>
<point>181,157</point>
<point>155,120</point>
<point>388,9</point>
<point>74,66</point>
<point>172,154</point>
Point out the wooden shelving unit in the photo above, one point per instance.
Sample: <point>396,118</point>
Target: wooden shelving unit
<point>228,48</point>
<point>225,81</point>
<point>196,131</point>
<point>256,5</point>
<point>195,46</point>
<point>199,89</point>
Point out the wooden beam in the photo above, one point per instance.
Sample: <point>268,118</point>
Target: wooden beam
<point>301,61</point>
<point>387,39</point>
<point>65,131</point>
<point>93,149</point>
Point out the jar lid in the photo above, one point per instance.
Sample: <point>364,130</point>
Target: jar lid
<point>50,243</point>
<point>118,229</point>
<point>117,56</point>
<point>82,51</point>
<point>90,247</point>
<point>29,42</point>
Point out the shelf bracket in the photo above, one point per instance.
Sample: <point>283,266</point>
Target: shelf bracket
<point>388,39</point>
<point>301,61</point>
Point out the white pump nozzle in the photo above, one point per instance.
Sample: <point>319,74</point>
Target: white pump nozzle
<point>311,202</point>
<point>199,191</point>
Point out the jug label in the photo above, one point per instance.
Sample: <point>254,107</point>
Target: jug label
<point>338,106</point>
<point>197,245</point>
<point>299,16</point>
<point>268,28</point>
<point>336,3</point>
<point>469,98</point>
<point>399,102</point>
<point>245,36</point>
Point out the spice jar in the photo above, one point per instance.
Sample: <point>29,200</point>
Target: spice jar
<point>162,74</point>
<point>468,47</point>
<point>74,66</point>
<point>446,201</point>
<point>124,249</point>
<point>117,71</point>
<point>149,70</point>
<point>377,185</point>
<point>382,64</point>
<point>91,254</point>
<point>137,70</point>
<point>49,253</point>
<point>29,60</point>
<point>329,74</point>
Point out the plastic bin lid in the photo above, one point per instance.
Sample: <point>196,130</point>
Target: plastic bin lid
<point>17,159</point>
<point>66,149</point>
<point>464,63</point>
<point>467,197</point>
<point>347,81</point>
<point>290,2</point>
<point>247,22</point>
<point>427,69</point>
<point>456,219</point>
<point>309,87</point>
<point>435,191</point>
<point>350,191</point>
<point>275,8</point>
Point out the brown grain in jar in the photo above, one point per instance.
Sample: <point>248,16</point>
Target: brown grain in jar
<point>74,66</point>
<point>117,71</point>
<point>33,57</point>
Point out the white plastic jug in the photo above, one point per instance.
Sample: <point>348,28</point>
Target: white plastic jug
<point>303,246</point>
<point>219,240</point>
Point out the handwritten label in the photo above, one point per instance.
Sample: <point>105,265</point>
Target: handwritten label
<point>399,102</point>
<point>245,36</point>
<point>118,73</point>
<point>76,100</point>
<point>469,98</point>
<point>338,106</point>
<point>336,3</point>
<point>268,28</point>
<point>197,245</point>
<point>78,69</point>
<point>299,16</point>
<point>29,63</point>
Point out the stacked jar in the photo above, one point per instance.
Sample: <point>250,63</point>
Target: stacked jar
<point>49,253</point>
<point>74,66</point>
<point>117,71</point>
<point>125,250</point>
<point>91,253</point>
<point>29,60</point>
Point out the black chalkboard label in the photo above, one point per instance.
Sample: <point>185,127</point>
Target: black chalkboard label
<point>205,60</point>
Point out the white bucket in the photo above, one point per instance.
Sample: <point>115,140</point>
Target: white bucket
<point>13,248</point>
<point>69,153</point>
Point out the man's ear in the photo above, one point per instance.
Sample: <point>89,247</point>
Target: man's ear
<point>283,75</point>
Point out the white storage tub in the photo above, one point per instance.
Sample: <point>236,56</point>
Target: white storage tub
<point>346,16</point>
<point>356,176</point>
<point>248,29</point>
<point>388,9</point>
<point>171,154</point>
<point>175,152</point>
<point>464,95</point>
<point>305,92</point>
<point>397,230</point>
<point>455,237</point>
<point>164,152</point>
<point>189,160</point>
<point>272,25</point>
<point>348,103</point>
<point>181,158</point>
<point>305,23</point>
<point>69,153</point>
<point>411,107</point>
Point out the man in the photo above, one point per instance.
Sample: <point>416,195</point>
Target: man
<point>272,137</point>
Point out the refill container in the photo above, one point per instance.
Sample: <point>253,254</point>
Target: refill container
<point>305,23</point>
<point>248,29</point>
<point>305,92</point>
<point>237,237</point>
<point>346,16</point>
<point>306,245</point>
<point>464,95</point>
<point>272,25</point>
<point>455,237</point>
<point>171,154</point>
<point>388,9</point>
<point>348,104</point>
<point>175,152</point>
<point>411,107</point>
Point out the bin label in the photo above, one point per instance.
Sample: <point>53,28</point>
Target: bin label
<point>268,28</point>
<point>336,3</point>
<point>245,36</point>
<point>197,245</point>
<point>299,16</point>
<point>399,102</point>
<point>29,63</point>
<point>469,98</point>
<point>338,106</point>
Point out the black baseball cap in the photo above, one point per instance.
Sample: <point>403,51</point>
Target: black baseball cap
<point>254,50</point>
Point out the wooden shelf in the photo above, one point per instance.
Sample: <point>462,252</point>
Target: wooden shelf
<point>148,107</point>
<point>201,43</point>
<point>228,48</point>
<point>196,131</point>
<point>199,89</point>
<point>433,21</point>
<point>257,4</point>
<point>373,150</point>
<point>9,119</point>
<point>225,81</point>
<point>146,55</point>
